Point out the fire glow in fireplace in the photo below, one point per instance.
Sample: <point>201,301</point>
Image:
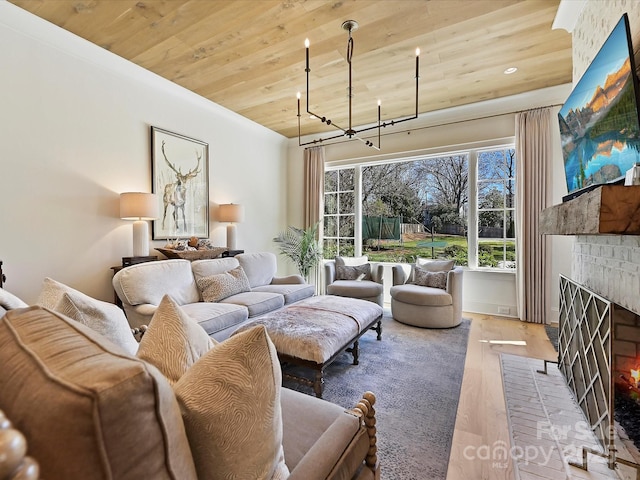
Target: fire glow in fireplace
<point>599,356</point>
<point>627,376</point>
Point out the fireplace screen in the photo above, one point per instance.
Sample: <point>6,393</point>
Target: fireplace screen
<point>599,356</point>
<point>584,353</point>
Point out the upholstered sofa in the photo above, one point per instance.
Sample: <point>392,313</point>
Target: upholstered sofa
<point>89,409</point>
<point>141,287</point>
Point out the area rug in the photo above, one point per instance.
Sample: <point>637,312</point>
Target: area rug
<point>552,333</point>
<point>416,375</point>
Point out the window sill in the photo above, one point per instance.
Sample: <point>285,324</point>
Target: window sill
<point>504,271</point>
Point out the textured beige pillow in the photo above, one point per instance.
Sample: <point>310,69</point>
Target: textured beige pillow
<point>9,301</point>
<point>430,279</point>
<point>102,317</point>
<point>230,401</point>
<point>51,293</point>
<point>218,287</point>
<point>173,341</point>
<point>360,272</point>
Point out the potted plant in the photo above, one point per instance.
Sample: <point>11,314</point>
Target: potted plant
<point>301,247</point>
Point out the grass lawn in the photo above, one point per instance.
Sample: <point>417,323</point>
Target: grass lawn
<point>408,250</point>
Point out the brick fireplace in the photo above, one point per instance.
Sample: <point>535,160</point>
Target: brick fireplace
<point>609,265</point>
<point>599,337</point>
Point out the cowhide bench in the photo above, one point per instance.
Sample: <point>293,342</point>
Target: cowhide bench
<point>313,332</point>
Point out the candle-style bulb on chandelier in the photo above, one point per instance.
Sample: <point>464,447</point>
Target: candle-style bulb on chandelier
<point>349,131</point>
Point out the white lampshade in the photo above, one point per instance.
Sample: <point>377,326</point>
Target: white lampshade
<point>139,206</point>
<point>231,212</point>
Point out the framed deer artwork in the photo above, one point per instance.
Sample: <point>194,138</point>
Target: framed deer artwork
<point>180,178</point>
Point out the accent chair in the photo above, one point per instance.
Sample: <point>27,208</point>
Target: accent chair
<point>354,277</point>
<point>427,294</point>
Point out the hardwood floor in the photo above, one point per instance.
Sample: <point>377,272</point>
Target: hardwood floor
<point>481,425</point>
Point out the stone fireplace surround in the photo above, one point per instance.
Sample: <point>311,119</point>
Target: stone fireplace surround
<point>609,265</point>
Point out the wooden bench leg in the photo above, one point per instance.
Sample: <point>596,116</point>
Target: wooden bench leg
<point>318,384</point>
<point>355,351</point>
<point>378,329</point>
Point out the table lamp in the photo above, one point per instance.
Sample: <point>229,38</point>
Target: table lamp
<point>233,214</point>
<point>140,207</point>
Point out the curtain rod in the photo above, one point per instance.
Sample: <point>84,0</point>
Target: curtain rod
<point>450,123</point>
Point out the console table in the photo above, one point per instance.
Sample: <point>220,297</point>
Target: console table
<point>231,253</point>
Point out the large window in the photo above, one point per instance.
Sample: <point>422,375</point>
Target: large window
<point>339,213</point>
<point>457,205</point>
<point>496,208</point>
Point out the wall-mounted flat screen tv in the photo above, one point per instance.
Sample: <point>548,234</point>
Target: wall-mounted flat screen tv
<point>599,124</point>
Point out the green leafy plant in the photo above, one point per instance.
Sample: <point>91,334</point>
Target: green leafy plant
<point>301,247</point>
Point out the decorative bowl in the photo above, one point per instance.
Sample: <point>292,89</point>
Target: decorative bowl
<point>193,254</point>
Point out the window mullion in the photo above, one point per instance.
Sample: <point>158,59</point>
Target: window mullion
<point>472,235</point>
<point>357,210</point>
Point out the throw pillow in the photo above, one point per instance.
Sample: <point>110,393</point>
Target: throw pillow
<point>88,410</point>
<point>435,265</point>
<point>8,301</point>
<point>430,279</point>
<point>102,317</point>
<point>361,272</point>
<point>230,402</point>
<point>351,261</point>
<point>51,293</point>
<point>218,287</point>
<point>173,340</point>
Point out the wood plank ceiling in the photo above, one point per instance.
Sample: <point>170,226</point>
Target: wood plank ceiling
<point>248,55</point>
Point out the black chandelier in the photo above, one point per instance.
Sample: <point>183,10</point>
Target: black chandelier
<point>350,132</point>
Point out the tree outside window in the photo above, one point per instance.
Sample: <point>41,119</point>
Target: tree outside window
<point>496,208</point>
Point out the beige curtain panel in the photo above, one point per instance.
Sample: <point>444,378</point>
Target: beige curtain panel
<point>533,150</point>
<point>314,199</point>
<point>313,185</point>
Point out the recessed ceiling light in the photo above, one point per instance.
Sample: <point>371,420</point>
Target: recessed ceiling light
<point>510,70</point>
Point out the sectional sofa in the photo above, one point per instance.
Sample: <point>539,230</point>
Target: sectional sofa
<point>231,301</point>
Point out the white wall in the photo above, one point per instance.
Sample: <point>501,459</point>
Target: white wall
<point>74,133</point>
<point>484,292</point>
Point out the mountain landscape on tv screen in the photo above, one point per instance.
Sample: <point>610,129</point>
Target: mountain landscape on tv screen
<point>600,140</point>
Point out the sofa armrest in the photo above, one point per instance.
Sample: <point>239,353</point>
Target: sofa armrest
<point>329,272</point>
<point>322,461</point>
<point>400,274</point>
<point>146,309</point>
<point>288,280</point>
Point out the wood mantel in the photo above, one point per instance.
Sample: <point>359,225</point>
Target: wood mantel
<point>610,209</point>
